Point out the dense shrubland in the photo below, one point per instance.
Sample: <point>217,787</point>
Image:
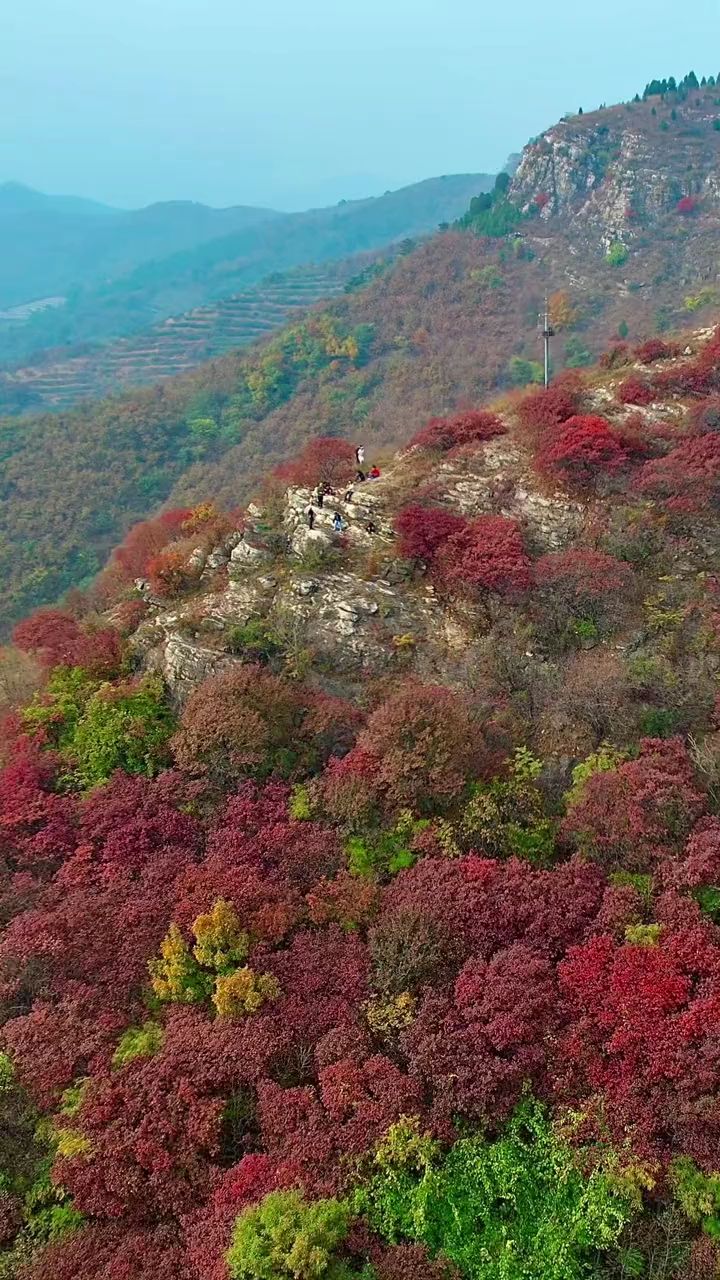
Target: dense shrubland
<point>409,979</point>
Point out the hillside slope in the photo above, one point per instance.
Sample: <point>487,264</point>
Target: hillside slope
<point>360,887</point>
<point>176,344</point>
<point>447,324</point>
<point>122,301</point>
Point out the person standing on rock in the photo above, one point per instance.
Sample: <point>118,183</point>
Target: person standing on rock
<point>320,497</point>
<point>360,456</point>
<point>311,516</point>
<point>348,497</point>
<point>338,525</point>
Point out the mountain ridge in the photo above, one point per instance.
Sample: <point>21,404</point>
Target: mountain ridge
<point>450,323</point>
<point>207,259</point>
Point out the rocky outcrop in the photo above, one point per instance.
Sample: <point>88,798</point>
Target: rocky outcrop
<point>615,176</point>
<point>341,599</point>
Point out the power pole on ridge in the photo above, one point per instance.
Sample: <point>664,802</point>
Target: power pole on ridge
<point>547,332</point>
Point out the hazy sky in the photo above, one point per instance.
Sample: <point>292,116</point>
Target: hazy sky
<point>298,102</point>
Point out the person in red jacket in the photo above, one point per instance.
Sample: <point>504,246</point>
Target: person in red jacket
<point>374,473</point>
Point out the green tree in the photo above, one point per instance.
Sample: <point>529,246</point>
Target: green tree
<point>99,727</point>
<point>522,372</point>
<point>285,1237</point>
<point>122,727</point>
<point>519,1208</point>
<point>617,254</point>
<point>576,353</point>
<point>138,1042</point>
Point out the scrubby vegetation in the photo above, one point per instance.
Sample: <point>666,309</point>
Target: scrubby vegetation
<point>406,971</point>
<point>441,326</point>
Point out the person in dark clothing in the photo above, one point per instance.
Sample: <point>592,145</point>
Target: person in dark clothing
<point>338,522</point>
<point>360,477</point>
<point>311,517</point>
<point>371,527</point>
<point>320,497</point>
<point>348,496</point>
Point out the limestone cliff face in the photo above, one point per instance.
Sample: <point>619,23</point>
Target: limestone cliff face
<point>618,172</point>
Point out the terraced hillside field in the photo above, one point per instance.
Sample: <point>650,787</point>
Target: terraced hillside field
<point>175,345</point>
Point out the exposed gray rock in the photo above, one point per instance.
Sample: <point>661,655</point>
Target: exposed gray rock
<point>248,553</point>
<point>185,664</point>
<point>305,539</point>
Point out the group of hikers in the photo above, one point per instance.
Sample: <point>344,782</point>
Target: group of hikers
<point>326,491</point>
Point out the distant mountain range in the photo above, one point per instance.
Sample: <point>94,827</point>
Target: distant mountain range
<point>121,272</point>
<point>54,244</point>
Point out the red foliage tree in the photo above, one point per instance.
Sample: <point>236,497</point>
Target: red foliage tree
<point>704,418</point>
<point>585,581</point>
<point>540,411</point>
<point>330,725</point>
<point>638,813</point>
<point>635,390</point>
<point>240,722</point>
<point>470,427</point>
<point>639,1053</point>
<point>697,376</point>
<point>174,570</point>
<point>585,448</point>
<point>688,478</point>
<point>422,530</point>
<point>541,200</point>
<point>687,205</point>
<point>55,639</point>
<point>58,1042</point>
<point>323,978</point>
<point>347,900</point>
<point>112,1252</point>
<point>477,1048</point>
<point>699,863</point>
<point>152,1136</point>
<point>422,746</point>
<point>480,906</point>
<point>37,826</point>
<point>487,554</point>
<point>255,828</point>
<point>129,832</point>
<point>308,1131</point>
<point>208,1229</point>
<point>655,349</point>
<point>144,541</point>
<point>411,1262</point>
<point>349,787</point>
<point>616,356</point>
<point>324,460</point>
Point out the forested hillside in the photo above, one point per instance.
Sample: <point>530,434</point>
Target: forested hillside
<point>237,248</point>
<point>618,251</point>
<point>360,874</point>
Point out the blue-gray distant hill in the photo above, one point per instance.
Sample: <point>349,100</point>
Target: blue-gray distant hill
<point>51,245</point>
<point>123,272</point>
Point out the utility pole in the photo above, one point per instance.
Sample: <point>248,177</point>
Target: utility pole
<point>547,332</point>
